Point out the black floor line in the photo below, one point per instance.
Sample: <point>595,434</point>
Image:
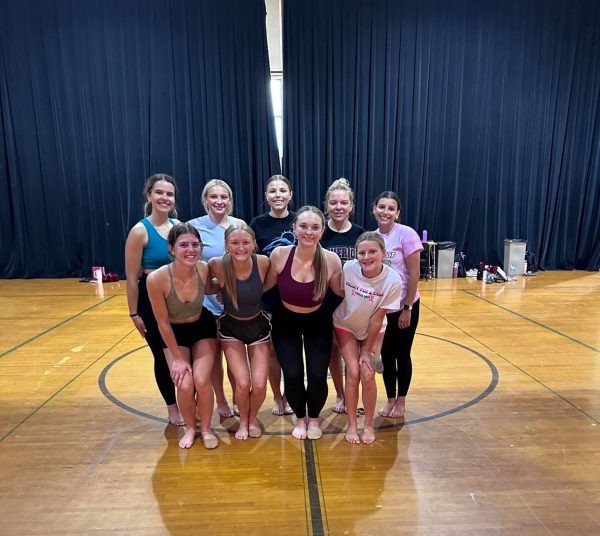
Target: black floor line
<point>316,516</point>
<point>536,322</point>
<point>529,375</point>
<point>51,328</point>
<point>25,419</point>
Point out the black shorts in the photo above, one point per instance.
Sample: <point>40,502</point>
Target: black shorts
<point>252,331</point>
<point>190,333</point>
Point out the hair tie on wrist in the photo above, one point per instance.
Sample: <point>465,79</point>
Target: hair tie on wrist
<point>133,315</point>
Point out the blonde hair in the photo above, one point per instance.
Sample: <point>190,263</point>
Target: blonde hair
<point>371,236</point>
<point>340,184</point>
<point>227,261</point>
<point>211,184</point>
<point>320,261</point>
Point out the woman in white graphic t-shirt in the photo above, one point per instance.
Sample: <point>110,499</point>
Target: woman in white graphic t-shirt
<point>371,289</point>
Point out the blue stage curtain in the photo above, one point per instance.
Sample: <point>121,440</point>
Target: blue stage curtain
<point>97,95</point>
<point>482,115</point>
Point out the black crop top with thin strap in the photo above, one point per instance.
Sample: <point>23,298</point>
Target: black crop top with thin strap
<point>292,291</point>
<point>179,310</point>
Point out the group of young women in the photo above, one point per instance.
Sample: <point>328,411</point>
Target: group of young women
<point>288,289</point>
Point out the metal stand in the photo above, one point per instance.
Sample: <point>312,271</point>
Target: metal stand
<point>429,254</point>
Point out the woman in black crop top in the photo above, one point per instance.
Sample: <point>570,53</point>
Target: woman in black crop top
<point>244,330</point>
<point>188,329</point>
<point>301,323</point>
<point>340,237</point>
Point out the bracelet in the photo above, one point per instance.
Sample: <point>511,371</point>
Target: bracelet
<point>133,315</point>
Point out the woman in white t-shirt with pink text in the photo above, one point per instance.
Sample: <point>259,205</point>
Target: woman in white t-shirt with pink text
<point>403,251</point>
<point>371,289</point>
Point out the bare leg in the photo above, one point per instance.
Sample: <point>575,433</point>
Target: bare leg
<point>369,397</point>
<point>203,356</point>
<point>217,377</point>
<point>237,362</point>
<point>337,376</point>
<point>186,402</point>
<point>259,367</point>
<point>350,352</point>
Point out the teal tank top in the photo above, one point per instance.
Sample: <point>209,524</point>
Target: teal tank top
<point>156,252</point>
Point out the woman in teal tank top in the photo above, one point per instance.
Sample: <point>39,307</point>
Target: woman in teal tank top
<point>145,251</point>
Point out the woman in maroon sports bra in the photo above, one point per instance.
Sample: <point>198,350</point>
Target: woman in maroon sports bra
<point>303,273</point>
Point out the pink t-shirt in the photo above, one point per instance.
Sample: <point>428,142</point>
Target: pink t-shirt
<point>401,242</point>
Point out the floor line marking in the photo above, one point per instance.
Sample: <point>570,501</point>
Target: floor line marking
<point>536,322</point>
<point>25,419</point>
<point>540,382</point>
<point>316,515</point>
<point>51,328</point>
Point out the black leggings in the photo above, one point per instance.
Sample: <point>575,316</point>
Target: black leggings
<point>155,342</point>
<point>288,330</point>
<point>395,353</point>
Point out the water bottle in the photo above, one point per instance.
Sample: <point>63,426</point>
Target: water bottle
<point>512,273</point>
<point>455,270</point>
<point>525,268</point>
<point>424,235</point>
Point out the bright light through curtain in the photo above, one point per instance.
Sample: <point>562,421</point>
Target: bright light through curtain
<point>483,116</point>
<point>95,96</point>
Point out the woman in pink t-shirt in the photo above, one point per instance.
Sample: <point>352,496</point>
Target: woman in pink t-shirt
<point>403,250</point>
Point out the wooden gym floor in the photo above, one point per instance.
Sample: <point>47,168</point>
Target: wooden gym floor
<point>501,434</point>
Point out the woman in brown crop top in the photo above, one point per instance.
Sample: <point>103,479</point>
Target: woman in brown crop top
<point>188,330</point>
<point>303,273</point>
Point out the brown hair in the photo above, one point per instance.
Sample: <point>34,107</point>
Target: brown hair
<point>281,178</point>
<point>180,229</point>
<point>320,261</point>
<point>388,195</point>
<point>227,262</point>
<point>148,187</point>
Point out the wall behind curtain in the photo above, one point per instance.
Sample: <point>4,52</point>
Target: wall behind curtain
<point>95,96</point>
<point>482,115</point>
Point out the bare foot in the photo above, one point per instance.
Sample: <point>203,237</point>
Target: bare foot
<point>224,410</point>
<point>368,435</point>
<point>299,431</point>
<point>352,436</point>
<point>314,429</point>
<point>389,406</point>
<point>242,432</point>
<point>236,410</point>
<point>278,408</point>
<point>174,415</point>
<point>210,440</point>
<point>339,406</point>
<point>287,410</point>
<point>397,412</point>
<point>254,430</point>
<point>188,438</point>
